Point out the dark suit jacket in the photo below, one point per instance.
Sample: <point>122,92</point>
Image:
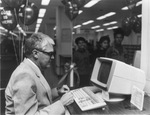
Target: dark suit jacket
<point>29,93</point>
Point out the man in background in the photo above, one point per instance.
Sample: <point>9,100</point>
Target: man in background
<point>81,57</point>
<point>117,51</point>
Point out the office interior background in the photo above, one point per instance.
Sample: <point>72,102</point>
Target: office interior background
<point>90,22</point>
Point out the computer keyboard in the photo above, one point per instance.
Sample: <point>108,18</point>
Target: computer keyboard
<point>86,99</point>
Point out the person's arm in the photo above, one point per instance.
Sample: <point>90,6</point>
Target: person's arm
<point>25,99</point>
<point>59,91</point>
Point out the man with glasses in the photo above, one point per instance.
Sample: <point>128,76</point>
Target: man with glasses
<point>28,91</point>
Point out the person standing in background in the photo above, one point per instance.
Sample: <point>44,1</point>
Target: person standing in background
<point>28,92</point>
<point>81,57</point>
<point>117,51</point>
<point>102,46</point>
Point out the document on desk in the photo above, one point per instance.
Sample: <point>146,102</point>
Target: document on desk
<point>137,97</point>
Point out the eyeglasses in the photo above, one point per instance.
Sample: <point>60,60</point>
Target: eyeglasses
<point>51,54</point>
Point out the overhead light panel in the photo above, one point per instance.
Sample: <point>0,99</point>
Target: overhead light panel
<point>110,23</point>
<point>88,22</point>
<point>111,28</point>
<point>106,15</point>
<point>99,30</point>
<point>38,25</point>
<point>139,3</point>
<point>110,14</point>
<point>94,27</point>
<point>45,2</point>
<point>140,15</point>
<point>77,26</point>
<point>80,11</point>
<point>114,27</point>
<point>54,28</point>
<point>39,20</point>
<point>42,12</point>
<point>124,8</point>
<point>91,3</point>
<point>101,17</point>
<point>1,8</point>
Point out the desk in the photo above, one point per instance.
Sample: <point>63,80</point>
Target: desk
<point>124,107</point>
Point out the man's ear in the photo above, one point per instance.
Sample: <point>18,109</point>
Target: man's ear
<point>35,54</point>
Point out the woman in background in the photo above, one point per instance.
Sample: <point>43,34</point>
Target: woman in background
<point>102,46</point>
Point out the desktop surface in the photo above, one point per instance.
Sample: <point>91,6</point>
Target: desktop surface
<point>124,107</point>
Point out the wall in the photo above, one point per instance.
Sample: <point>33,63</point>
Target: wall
<point>145,53</point>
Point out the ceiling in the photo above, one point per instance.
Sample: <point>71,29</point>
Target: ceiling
<point>101,8</point>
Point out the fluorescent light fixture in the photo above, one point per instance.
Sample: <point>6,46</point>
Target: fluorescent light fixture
<point>124,8</point>
<point>1,8</point>
<point>106,24</point>
<point>110,14</point>
<point>54,28</point>
<point>91,3</point>
<point>36,30</point>
<point>0,1</point>
<point>77,26</point>
<point>42,12</point>
<point>113,22</point>
<point>101,17</point>
<point>106,15</point>
<point>110,23</point>
<point>38,25</point>
<point>139,3</point>
<point>114,27</point>
<point>140,15</point>
<point>99,30</point>
<point>39,20</point>
<point>88,22</point>
<point>110,28</point>
<point>80,11</point>
<point>45,2</point>
<point>94,27</point>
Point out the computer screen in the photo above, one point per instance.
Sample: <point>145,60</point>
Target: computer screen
<point>116,77</point>
<point>104,71</point>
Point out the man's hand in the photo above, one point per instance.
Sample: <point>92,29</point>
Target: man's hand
<point>67,99</point>
<point>62,90</point>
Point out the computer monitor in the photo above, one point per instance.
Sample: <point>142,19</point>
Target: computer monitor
<point>137,59</point>
<point>116,78</point>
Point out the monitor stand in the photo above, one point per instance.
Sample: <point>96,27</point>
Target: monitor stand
<point>110,97</point>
